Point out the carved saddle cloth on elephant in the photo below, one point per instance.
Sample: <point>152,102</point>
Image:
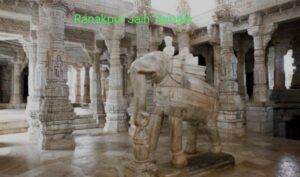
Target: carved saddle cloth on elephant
<point>184,89</point>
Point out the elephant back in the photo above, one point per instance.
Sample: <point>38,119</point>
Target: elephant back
<point>186,92</point>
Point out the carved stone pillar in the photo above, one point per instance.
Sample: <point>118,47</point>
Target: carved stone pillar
<point>16,85</point>
<point>56,114</point>
<point>231,115</point>
<point>279,75</point>
<point>296,76</point>
<point>261,35</point>
<point>115,107</point>
<point>97,101</point>
<point>242,73</point>
<point>259,113</point>
<point>78,85</point>
<point>86,93</point>
<point>214,35</point>
<point>31,52</point>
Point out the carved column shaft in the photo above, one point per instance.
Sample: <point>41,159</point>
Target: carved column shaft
<point>115,106</point>
<point>33,130</point>
<point>260,90</point>
<point>97,101</point>
<point>16,84</point>
<point>86,93</point>
<point>230,119</point>
<point>216,67</point>
<point>241,73</point>
<point>78,85</point>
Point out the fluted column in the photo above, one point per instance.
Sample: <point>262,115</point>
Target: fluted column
<point>214,35</point>
<point>115,107</point>
<point>296,76</point>
<point>261,35</point>
<point>56,114</point>
<point>86,93</point>
<point>31,52</point>
<point>97,101</point>
<point>16,85</point>
<point>231,115</point>
<point>78,85</point>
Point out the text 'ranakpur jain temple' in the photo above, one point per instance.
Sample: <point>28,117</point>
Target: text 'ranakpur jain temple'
<point>92,88</point>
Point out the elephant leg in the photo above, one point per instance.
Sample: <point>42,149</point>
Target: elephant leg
<point>191,144</point>
<point>178,156</point>
<point>213,133</point>
<point>155,127</point>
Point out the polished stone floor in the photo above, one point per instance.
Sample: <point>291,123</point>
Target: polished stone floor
<point>103,155</point>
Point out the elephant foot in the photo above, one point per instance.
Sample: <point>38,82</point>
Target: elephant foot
<point>179,160</point>
<point>216,149</point>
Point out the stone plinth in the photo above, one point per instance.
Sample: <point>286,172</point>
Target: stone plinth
<point>137,170</point>
<point>199,165</point>
<point>259,118</point>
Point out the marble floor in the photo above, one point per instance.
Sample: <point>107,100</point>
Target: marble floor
<point>103,155</point>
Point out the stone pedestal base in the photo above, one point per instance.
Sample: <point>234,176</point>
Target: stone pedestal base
<point>34,133</point>
<point>231,124</point>
<point>51,143</point>
<point>259,118</point>
<point>100,118</point>
<point>56,119</point>
<point>32,119</point>
<point>199,165</point>
<point>115,123</point>
<point>140,170</point>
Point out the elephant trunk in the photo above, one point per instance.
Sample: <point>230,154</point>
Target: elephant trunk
<point>138,82</point>
<point>140,118</point>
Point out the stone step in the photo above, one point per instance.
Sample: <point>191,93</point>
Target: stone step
<point>84,121</point>
<point>85,126</point>
<point>87,116</point>
<point>13,126</point>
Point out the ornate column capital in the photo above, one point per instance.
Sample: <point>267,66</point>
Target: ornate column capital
<point>69,6</point>
<point>262,33</point>
<point>142,7</point>
<point>112,34</point>
<point>224,14</point>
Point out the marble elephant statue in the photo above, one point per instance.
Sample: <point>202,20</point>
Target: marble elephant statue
<point>180,97</point>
